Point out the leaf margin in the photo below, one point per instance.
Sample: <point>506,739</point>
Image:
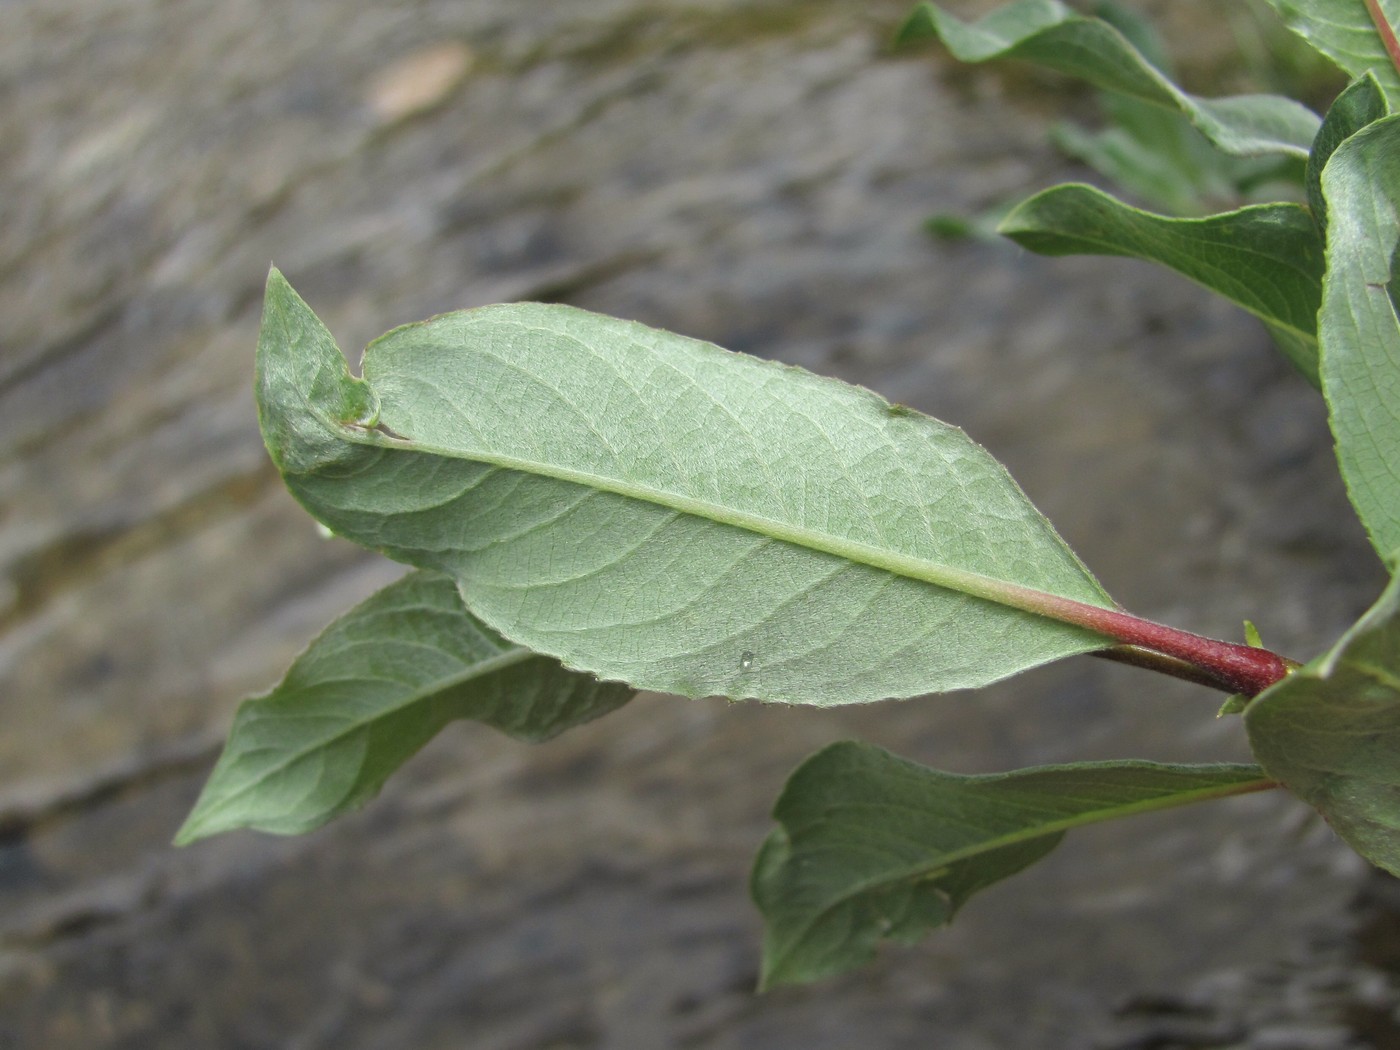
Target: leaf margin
<point>1056,221</point>
<point>413,713</point>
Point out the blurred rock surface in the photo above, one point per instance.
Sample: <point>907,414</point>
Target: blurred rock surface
<point>748,171</point>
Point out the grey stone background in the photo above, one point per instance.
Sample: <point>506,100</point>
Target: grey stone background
<point>748,171</point>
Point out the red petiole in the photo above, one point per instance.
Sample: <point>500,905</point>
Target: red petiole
<point>1229,666</point>
<point>1386,31</point>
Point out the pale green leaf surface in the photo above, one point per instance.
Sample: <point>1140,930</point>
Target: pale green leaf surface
<point>1343,31</point>
<point>1266,258</point>
<point>1161,160</point>
<point>1358,327</point>
<point>1330,733</point>
<point>370,691</point>
<point>1052,35</point>
<point>1361,103</point>
<point>656,510</point>
<point>871,846</point>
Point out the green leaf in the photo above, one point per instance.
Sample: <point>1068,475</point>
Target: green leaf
<point>1343,31</point>
<point>1050,34</point>
<point>1251,635</point>
<point>1360,104</point>
<point>872,846</point>
<point>1233,705</point>
<point>655,510</point>
<point>1160,158</point>
<point>1155,154</point>
<point>375,687</point>
<point>1330,733</point>
<point>1358,327</point>
<point>1139,31</point>
<point>1151,152</point>
<point>1266,258</point>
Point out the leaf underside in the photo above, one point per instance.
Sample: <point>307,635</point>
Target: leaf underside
<point>370,691</point>
<point>652,509</point>
<point>871,846</point>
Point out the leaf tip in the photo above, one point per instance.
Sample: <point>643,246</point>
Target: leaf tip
<point>306,395</point>
<point>1233,705</point>
<point>918,27</point>
<point>195,827</point>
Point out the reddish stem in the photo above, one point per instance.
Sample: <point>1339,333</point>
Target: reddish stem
<point>1386,31</point>
<point>1147,660</point>
<point>1229,666</point>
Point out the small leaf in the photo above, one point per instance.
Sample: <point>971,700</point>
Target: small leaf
<point>872,846</point>
<point>375,687</point>
<point>1233,705</point>
<point>1330,733</point>
<point>980,225</point>
<point>1360,104</point>
<point>1266,258</point>
<point>1158,157</point>
<point>1050,34</point>
<point>1251,635</point>
<point>1358,327</point>
<point>1343,31</point>
<point>656,510</point>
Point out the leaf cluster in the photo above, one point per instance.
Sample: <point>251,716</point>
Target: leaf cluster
<point>590,507</point>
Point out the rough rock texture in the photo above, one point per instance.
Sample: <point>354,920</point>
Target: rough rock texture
<point>749,171</point>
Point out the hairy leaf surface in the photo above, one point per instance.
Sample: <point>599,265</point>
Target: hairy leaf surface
<point>1344,32</point>
<point>872,846</point>
<point>1052,35</point>
<point>656,510</point>
<point>1330,733</point>
<point>1266,258</point>
<point>370,691</point>
<point>1358,327</point>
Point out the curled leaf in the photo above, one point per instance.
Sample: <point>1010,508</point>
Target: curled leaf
<point>370,691</point>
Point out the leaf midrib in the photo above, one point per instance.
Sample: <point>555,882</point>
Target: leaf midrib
<point>974,584</point>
